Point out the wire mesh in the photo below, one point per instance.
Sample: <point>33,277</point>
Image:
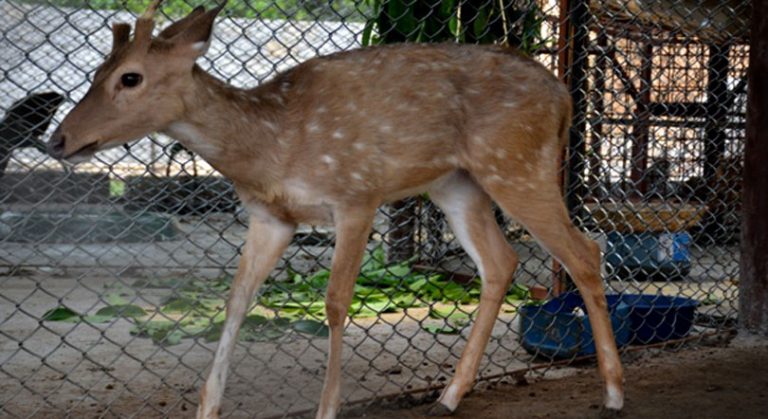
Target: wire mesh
<point>114,272</point>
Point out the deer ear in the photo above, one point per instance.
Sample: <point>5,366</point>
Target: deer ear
<point>121,34</point>
<point>195,37</point>
<point>181,25</point>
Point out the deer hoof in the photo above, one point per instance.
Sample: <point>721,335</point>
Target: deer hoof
<point>608,413</point>
<point>439,409</point>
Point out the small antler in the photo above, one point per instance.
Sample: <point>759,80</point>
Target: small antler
<point>149,14</point>
<point>146,23</point>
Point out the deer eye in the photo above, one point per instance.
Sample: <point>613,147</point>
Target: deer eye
<point>131,79</point>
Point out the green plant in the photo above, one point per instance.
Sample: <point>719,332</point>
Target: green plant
<point>481,22</point>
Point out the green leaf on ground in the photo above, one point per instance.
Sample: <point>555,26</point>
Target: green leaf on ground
<point>311,327</point>
<point>441,330</point>
<point>162,332</point>
<point>179,305</point>
<point>61,314</point>
<point>122,310</point>
<point>116,298</point>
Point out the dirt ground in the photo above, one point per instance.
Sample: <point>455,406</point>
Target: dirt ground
<point>58,369</point>
<point>717,383</point>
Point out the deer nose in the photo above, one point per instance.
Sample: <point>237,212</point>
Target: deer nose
<point>56,144</point>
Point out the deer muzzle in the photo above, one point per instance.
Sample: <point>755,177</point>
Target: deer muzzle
<point>56,144</point>
<point>57,148</point>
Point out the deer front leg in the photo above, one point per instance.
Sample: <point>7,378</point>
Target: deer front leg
<point>352,228</point>
<point>265,243</point>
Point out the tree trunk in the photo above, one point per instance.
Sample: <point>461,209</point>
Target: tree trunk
<point>753,287</point>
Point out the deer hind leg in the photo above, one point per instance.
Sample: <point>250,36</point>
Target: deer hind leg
<point>352,229</point>
<point>541,210</point>
<point>264,245</point>
<point>468,210</point>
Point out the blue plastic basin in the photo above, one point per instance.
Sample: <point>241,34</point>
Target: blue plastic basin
<point>560,328</point>
<point>657,318</point>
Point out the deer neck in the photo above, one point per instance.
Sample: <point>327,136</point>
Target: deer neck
<point>235,130</point>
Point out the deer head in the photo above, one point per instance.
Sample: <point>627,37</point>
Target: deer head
<point>139,89</point>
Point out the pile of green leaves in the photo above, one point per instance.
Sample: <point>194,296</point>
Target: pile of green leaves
<point>196,308</point>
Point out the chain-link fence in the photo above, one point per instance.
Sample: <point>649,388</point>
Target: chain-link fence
<point>114,273</point>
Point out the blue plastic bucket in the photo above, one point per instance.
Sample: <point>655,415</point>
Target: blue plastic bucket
<point>648,255</point>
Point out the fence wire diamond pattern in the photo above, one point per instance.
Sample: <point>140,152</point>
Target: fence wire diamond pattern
<point>114,272</point>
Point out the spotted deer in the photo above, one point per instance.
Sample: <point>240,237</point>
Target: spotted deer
<point>332,139</point>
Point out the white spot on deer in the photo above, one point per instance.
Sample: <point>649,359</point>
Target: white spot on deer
<point>356,176</point>
<point>510,104</point>
<point>548,152</point>
<point>495,178</point>
<point>327,159</point>
<point>501,153</point>
<point>277,98</point>
<point>359,146</point>
<point>321,109</point>
<point>338,134</point>
<point>313,127</point>
<point>452,160</point>
<point>270,125</point>
<point>385,128</point>
<point>478,140</point>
